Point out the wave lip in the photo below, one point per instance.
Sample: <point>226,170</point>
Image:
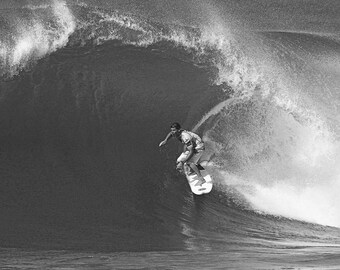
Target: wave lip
<point>42,31</point>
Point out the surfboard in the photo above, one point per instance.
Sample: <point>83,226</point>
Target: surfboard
<point>193,179</point>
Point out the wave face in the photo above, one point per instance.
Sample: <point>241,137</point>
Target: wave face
<point>88,92</point>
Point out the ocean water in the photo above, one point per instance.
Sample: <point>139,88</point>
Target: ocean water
<point>88,90</point>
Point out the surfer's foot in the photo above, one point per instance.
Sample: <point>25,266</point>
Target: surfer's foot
<point>200,182</point>
<point>187,170</point>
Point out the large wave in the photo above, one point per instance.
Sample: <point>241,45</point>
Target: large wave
<point>272,136</point>
<point>278,146</point>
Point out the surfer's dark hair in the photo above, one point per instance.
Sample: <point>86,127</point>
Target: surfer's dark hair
<point>175,125</point>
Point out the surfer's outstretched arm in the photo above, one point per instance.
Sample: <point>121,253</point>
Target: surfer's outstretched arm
<point>166,139</point>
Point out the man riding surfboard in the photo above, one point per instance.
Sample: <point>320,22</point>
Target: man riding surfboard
<point>193,149</point>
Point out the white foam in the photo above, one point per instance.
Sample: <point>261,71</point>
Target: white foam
<point>36,38</point>
<point>299,178</point>
<point>316,203</point>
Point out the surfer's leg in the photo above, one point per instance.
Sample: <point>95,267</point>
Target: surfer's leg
<point>199,175</point>
<point>192,163</point>
<point>181,158</point>
<point>196,158</point>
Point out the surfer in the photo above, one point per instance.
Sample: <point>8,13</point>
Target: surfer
<point>193,149</point>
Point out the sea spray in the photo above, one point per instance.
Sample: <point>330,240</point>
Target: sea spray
<point>46,29</point>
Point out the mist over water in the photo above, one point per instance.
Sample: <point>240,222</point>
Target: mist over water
<point>88,89</point>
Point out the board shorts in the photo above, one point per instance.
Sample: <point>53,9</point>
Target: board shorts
<point>194,159</point>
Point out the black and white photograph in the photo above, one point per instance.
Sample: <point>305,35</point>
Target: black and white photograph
<point>169,134</point>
